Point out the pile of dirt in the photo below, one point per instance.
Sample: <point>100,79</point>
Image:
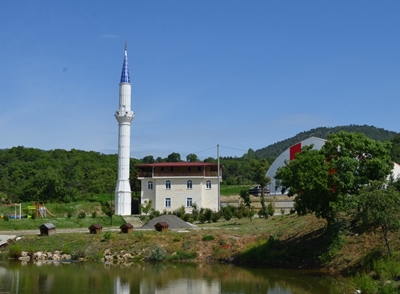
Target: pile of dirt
<point>174,223</point>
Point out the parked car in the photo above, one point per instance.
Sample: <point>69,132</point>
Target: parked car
<point>256,191</point>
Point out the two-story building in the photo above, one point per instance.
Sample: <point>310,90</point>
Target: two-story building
<point>169,185</point>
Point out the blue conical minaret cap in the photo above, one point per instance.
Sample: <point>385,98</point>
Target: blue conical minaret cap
<point>125,71</point>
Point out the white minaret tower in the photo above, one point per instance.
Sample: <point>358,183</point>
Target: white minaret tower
<point>124,117</point>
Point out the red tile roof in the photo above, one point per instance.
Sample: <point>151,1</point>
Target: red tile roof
<point>182,163</point>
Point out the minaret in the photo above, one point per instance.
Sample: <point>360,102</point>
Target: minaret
<point>124,117</point>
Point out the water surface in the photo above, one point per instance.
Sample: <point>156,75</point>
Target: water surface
<point>43,278</point>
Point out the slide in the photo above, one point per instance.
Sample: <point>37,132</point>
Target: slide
<point>48,211</point>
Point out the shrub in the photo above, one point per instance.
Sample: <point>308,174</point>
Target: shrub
<point>94,214</point>
<point>81,214</point>
<point>227,212</point>
<point>69,214</point>
<point>179,212</point>
<point>186,217</point>
<point>208,238</point>
<point>154,213</point>
<point>195,212</point>
<point>270,209</point>
<point>215,216</point>
<point>202,218</point>
<point>107,236</point>
<point>6,217</point>
<point>263,213</point>
<point>183,255</point>
<point>364,283</point>
<point>15,250</point>
<point>208,214</point>
<point>156,254</point>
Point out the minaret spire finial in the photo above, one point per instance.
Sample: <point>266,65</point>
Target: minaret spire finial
<point>125,71</point>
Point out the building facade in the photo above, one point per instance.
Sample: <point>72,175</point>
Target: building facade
<point>171,185</point>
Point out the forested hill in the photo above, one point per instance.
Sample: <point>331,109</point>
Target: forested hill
<point>274,150</point>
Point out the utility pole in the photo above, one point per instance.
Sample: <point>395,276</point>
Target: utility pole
<point>219,190</point>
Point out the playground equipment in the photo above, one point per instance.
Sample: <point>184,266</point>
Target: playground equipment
<point>37,210</point>
<point>15,215</point>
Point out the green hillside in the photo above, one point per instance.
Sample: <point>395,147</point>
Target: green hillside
<point>274,150</point>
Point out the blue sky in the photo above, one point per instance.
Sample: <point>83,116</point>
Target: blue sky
<point>241,74</point>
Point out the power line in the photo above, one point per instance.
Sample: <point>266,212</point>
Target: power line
<point>233,148</point>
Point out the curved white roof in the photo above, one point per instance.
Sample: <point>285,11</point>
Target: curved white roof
<point>290,154</point>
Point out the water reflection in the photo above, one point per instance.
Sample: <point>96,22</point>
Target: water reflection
<point>156,278</point>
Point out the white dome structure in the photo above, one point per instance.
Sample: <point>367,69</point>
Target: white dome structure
<point>290,154</point>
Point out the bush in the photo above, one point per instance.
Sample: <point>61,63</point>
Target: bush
<point>179,212</point>
<point>183,255</point>
<point>15,250</point>
<point>195,212</point>
<point>186,217</point>
<point>6,217</point>
<point>270,209</point>
<point>215,216</point>
<point>94,214</point>
<point>208,214</point>
<point>81,214</point>
<point>365,284</point>
<point>202,218</point>
<point>228,212</point>
<point>156,255</point>
<point>154,213</point>
<point>107,236</point>
<point>208,238</point>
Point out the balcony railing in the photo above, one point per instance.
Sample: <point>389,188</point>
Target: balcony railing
<point>178,174</point>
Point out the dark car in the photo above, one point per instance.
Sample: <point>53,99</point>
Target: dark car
<point>256,191</point>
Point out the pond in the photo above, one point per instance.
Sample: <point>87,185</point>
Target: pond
<point>79,277</point>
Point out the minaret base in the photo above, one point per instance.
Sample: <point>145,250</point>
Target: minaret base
<point>123,198</point>
<point>123,203</point>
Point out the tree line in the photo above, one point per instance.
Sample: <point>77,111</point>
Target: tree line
<point>30,174</point>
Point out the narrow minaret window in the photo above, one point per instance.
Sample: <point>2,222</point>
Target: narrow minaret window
<point>124,116</point>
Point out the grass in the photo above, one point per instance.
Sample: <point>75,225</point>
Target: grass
<point>279,241</point>
<point>232,190</point>
<point>60,222</point>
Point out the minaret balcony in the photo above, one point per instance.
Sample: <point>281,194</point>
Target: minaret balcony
<point>124,116</point>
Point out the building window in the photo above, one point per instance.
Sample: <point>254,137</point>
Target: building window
<point>150,185</point>
<point>189,202</point>
<point>168,184</point>
<point>162,169</point>
<point>199,168</point>
<point>208,184</point>
<point>189,184</point>
<point>167,202</point>
<point>189,169</point>
<point>172,168</point>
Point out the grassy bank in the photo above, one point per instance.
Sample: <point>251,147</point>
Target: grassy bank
<point>286,241</point>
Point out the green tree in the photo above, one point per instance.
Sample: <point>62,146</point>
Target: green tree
<point>395,150</point>
<point>148,159</point>
<point>192,158</point>
<point>174,157</point>
<point>378,207</point>
<point>260,168</point>
<point>146,207</point>
<point>324,179</point>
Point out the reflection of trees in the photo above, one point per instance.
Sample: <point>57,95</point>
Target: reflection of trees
<point>161,277</point>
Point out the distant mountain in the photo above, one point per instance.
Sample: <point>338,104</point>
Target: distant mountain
<point>274,150</point>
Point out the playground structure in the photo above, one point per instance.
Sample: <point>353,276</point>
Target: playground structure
<point>15,215</point>
<point>31,210</point>
<point>37,210</point>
